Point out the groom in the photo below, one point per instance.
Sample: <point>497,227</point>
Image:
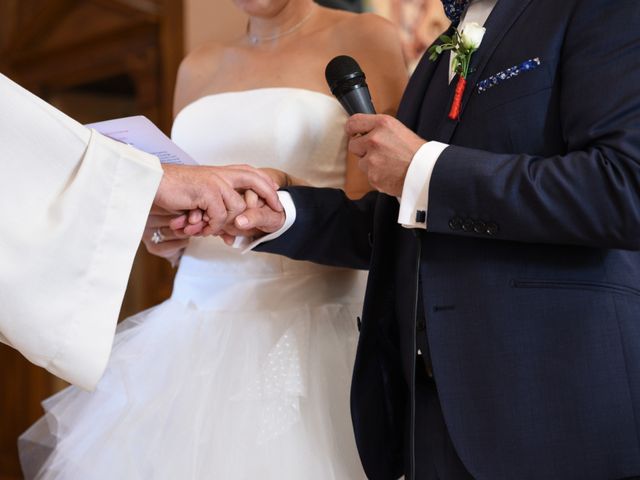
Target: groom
<point>500,337</point>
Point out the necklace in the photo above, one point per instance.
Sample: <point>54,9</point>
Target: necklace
<point>256,39</point>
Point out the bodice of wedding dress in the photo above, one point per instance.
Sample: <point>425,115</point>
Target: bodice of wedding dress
<point>295,130</point>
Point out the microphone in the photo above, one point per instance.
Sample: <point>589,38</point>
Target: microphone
<point>348,84</point>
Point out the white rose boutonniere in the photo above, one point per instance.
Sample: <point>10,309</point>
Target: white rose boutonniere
<point>472,35</point>
<point>463,45</point>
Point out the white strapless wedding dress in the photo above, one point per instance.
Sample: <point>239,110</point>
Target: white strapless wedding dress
<point>244,372</point>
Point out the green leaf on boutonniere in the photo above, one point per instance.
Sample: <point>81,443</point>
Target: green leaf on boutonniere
<point>455,64</point>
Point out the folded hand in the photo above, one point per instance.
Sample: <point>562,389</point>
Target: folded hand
<point>212,195</point>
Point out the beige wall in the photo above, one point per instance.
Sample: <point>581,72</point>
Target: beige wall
<point>211,20</point>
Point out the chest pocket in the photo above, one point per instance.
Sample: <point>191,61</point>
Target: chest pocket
<point>518,81</point>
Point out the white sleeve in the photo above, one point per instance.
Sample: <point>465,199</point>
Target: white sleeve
<point>73,205</point>
<point>248,244</point>
<point>415,192</point>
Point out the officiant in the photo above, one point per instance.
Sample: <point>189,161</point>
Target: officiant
<point>73,206</point>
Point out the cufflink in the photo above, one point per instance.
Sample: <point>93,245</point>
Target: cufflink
<point>421,216</point>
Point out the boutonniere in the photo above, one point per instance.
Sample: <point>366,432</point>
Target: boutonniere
<point>463,44</point>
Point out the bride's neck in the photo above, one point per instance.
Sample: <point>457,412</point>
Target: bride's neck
<point>290,17</point>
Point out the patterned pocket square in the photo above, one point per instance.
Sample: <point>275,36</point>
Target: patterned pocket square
<point>508,74</point>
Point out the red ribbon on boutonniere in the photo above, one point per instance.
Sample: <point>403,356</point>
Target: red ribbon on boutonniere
<point>462,44</point>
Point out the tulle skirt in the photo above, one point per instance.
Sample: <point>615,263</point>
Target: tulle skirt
<point>202,393</point>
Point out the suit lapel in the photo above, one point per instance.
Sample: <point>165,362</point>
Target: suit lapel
<point>502,18</point>
<point>422,78</point>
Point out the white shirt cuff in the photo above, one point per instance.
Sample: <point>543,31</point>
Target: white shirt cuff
<point>248,243</point>
<point>415,192</point>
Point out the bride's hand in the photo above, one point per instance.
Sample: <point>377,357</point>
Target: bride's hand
<point>278,176</point>
<point>161,240</point>
<point>283,179</point>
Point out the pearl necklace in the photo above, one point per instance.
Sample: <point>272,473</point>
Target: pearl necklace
<point>256,39</point>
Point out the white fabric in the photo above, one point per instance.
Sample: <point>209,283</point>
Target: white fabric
<point>73,205</point>
<point>415,192</point>
<point>244,373</point>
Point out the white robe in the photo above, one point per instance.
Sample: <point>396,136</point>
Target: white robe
<point>73,205</point>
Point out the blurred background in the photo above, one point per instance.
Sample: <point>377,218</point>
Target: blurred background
<point>101,59</point>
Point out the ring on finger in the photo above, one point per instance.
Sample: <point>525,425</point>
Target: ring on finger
<point>157,237</point>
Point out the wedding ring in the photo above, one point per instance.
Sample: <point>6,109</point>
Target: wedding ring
<point>157,237</point>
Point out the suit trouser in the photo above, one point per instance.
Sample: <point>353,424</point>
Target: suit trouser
<point>435,457</point>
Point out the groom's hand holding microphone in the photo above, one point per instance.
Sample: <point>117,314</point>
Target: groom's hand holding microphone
<point>383,144</point>
<point>385,148</point>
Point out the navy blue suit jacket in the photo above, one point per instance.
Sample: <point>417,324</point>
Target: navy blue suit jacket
<point>529,268</point>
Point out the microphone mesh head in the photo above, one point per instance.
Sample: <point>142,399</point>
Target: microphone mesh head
<point>341,68</point>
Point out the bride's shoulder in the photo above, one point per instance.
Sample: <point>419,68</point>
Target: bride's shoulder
<point>197,72</point>
<point>362,27</point>
<point>205,58</point>
<point>208,62</point>
<point>375,44</point>
<point>367,37</point>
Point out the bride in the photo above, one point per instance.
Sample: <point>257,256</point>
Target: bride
<point>244,372</point>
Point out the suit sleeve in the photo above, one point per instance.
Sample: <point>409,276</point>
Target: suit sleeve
<point>329,229</point>
<point>588,195</point>
<point>73,206</point>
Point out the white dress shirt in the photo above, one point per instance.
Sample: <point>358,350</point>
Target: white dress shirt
<point>73,205</point>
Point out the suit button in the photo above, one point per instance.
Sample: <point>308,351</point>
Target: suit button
<point>480,227</point>
<point>467,225</point>
<point>421,325</point>
<point>492,229</point>
<point>455,223</point>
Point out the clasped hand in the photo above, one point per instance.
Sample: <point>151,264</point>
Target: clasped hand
<point>202,200</point>
<point>240,200</point>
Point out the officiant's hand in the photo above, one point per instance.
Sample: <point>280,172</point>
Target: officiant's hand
<point>212,194</point>
<point>385,148</point>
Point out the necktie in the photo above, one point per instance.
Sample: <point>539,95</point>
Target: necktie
<point>454,9</point>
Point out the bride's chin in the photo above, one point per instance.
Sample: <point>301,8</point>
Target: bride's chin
<point>262,8</point>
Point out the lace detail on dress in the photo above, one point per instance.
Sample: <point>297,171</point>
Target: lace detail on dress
<point>280,383</point>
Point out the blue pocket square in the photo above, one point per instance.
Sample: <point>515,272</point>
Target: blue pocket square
<point>508,74</point>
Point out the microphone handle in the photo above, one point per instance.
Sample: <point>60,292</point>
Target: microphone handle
<point>357,100</point>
